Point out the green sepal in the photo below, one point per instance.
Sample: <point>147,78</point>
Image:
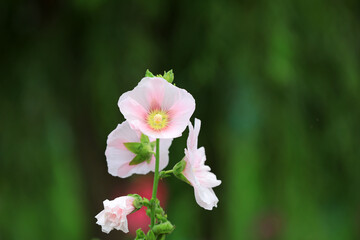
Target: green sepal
<point>151,235</point>
<point>169,76</point>
<point>178,170</point>
<point>140,235</point>
<point>148,73</point>
<point>159,210</point>
<point>144,139</point>
<point>138,201</point>
<point>137,159</point>
<point>143,150</point>
<point>146,202</point>
<point>141,158</point>
<point>152,145</point>
<point>163,228</point>
<point>161,218</point>
<point>134,147</point>
<point>148,212</point>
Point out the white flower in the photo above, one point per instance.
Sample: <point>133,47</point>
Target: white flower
<point>197,173</point>
<point>157,108</point>
<point>114,214</point>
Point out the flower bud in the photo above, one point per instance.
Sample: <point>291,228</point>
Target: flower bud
<point>138,201</point>
<point>140,235</point>
<point>178,170</point>
<point>163,228</point>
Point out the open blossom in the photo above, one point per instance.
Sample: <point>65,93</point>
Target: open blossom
<point>118,157</point>
<point>114,214</point>
<point>157,108</point>
<point>197,173</point>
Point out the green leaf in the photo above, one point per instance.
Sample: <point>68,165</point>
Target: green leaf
<point>148,73</point>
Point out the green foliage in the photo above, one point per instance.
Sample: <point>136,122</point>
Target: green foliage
<point>162,227</point>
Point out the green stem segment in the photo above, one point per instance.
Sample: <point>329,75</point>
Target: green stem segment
<point>156,182</point>
<point>169,171</point>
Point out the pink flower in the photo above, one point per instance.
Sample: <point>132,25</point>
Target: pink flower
<point>157,108</point>
<point>114,214</point>
<point>118,157</point>
<point>197,173</point>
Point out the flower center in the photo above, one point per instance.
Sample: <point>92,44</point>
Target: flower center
<point>157,119</point>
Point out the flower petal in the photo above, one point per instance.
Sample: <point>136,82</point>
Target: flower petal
<point>208,179</point>
<point>205,197</point>
<point>192,141</point>
<point>164,153</point>
<point>134,112</point>
<point>114,215</point>
<point>157,93</point>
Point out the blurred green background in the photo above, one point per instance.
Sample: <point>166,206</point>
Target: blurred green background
<point>277,87</point>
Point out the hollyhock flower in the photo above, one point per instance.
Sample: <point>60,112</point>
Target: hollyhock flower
<point>114,214</point>
<point>119,158</point>
<point>197,173</point>
<point>157,108</point>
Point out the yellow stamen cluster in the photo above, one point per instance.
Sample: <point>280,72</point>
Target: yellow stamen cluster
<point>157,119</point>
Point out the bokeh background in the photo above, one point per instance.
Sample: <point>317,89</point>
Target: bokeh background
<point>277,87</point>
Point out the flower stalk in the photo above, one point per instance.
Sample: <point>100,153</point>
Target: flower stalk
<point>156,182</point>
<point>155,109</point>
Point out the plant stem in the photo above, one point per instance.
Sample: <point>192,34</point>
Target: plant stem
<point>156,182</point>
<point>169,171</point>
